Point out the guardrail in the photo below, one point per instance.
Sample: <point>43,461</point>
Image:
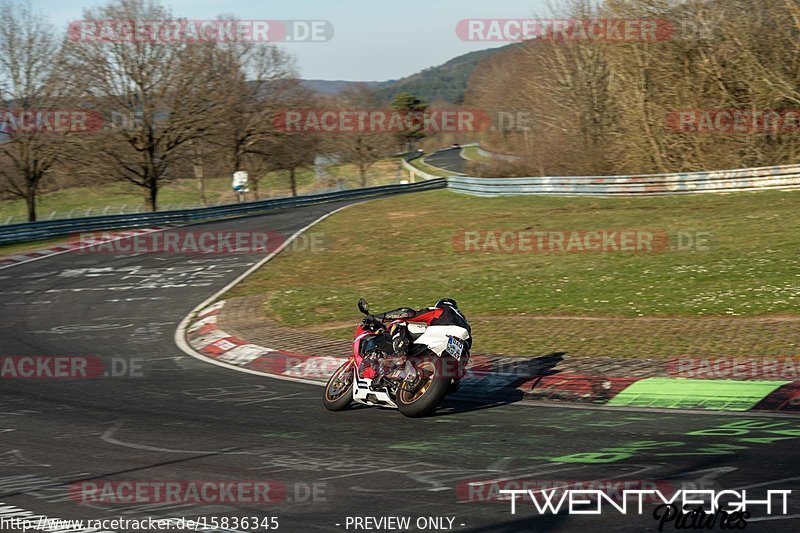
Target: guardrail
<point>499,157</point>
<point>417,173</point>
<point>32,231</point>
<point>779,177</point>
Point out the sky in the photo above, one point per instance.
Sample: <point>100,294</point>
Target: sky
<point>374,40</point>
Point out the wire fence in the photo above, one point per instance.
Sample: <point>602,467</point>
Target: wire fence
<point>110,209</point>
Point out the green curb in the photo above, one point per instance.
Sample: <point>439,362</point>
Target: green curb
<point>676,393</point>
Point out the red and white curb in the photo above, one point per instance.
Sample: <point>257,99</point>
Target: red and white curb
<point>98,238</point>
<point>485,377</point>
<point>205,336</point>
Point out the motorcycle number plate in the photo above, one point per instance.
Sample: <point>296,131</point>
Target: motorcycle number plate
<point>454,347</point>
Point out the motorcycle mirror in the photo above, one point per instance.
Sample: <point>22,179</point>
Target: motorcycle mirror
<point>363,306</point>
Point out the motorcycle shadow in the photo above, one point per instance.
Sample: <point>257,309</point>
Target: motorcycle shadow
<point>464,403</point>
<point>497,383</point>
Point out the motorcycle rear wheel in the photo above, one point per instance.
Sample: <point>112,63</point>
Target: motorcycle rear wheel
<point>339,390</point>
<point>423,399</point>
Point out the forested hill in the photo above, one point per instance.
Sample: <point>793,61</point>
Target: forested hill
<point>446,82</point>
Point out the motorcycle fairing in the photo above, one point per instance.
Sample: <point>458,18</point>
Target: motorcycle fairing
<point>363,392</point>
<point>436,337</point>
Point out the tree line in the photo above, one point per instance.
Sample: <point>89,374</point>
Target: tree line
<point>642,106</point>
<point>167,110</point>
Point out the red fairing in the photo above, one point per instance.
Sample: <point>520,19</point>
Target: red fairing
<point>428,316</point>
<point>357,338</point>
<point>360,335</point>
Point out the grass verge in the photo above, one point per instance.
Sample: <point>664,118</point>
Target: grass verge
<point>736,294</point>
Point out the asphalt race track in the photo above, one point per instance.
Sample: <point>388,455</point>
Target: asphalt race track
<point>449,159</point>
<point>182,419</point>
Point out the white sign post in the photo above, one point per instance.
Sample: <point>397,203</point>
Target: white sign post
<point>239,184</point>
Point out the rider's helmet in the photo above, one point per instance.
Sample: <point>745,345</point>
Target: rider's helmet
<point>446,302</point>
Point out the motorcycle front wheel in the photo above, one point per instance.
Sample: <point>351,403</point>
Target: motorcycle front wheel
<point>419,397</point>
<point>339,389</point>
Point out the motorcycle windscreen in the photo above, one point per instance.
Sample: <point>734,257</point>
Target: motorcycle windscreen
<point>376,343</point>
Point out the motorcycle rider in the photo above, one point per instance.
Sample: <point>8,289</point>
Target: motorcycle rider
<point>444,312</point>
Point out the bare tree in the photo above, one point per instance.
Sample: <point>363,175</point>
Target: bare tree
<point>166,93</point>
<point>28,56</point>
<point>277,149</point>
<point>288,152</point>
<point>259,79</point>
<point>603,106</point>
<point>198,155</point>
<point>361,148</point>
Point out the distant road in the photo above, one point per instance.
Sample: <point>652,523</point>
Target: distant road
<point>449,159</point>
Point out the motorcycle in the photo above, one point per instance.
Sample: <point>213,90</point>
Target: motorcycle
<point>414,383</point>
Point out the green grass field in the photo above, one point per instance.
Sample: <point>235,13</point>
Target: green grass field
<point>748,268</point>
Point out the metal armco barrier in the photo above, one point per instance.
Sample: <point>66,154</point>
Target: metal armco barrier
<point>780,177</point>
<point>32,231</point>
<point>492,155</point>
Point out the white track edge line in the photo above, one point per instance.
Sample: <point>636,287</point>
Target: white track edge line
<point>180,332</point>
